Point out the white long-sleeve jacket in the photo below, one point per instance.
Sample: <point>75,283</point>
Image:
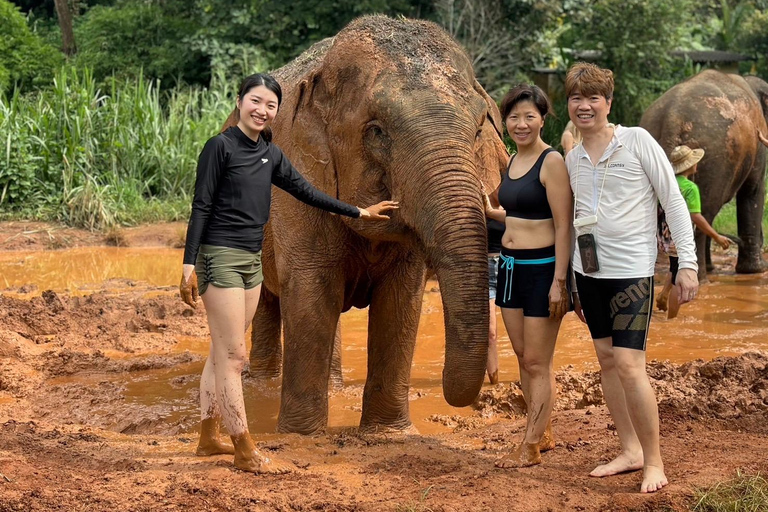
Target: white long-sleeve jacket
<point>639,175</point>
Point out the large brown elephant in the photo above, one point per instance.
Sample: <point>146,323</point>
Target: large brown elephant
<point>720,113</point>
<point>387,109</point>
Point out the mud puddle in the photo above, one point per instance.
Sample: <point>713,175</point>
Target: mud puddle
<point>85,269</point>
<point>730,317</point>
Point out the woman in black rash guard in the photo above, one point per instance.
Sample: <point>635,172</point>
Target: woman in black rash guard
<point>235,173</point>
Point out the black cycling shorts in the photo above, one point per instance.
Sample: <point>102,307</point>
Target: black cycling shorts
<point>619,309</point>
<point>524,279</point>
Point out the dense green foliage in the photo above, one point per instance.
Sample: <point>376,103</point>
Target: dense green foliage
<point>115,136</point>
<point>136,38</point>
<point>25,60</point>
<point>93,158</point>
<point>635,49</point>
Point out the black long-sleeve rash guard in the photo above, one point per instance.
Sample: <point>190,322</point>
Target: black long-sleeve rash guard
<point>233,192</point>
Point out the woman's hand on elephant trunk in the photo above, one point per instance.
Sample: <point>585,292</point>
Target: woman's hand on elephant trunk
<point>487,204</point>
<point>558,299</point>
<point>188,286</point>
<point>688,283</point>
<point>376,211</point>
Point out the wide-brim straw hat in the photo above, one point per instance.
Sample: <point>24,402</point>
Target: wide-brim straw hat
<point>683,158</point>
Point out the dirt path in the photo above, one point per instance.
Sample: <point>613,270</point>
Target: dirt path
<point>70,439</point>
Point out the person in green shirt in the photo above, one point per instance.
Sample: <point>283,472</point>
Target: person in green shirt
<point>684,161</point>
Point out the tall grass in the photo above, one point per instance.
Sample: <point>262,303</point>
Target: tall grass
<point>95,158</point>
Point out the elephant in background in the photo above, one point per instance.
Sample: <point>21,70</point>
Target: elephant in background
<point>387,109</point>
<point>722,114</point>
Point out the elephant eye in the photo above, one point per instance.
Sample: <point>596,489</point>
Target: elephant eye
<point>374,130</point>
<point>376,140</point>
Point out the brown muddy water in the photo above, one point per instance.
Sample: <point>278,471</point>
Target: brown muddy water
<point>729,317</point>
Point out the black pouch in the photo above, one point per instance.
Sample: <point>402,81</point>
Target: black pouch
<point>588,253</point>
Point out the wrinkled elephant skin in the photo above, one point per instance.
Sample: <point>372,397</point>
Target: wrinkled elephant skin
<point>387,109</point>
<point>720,113</point>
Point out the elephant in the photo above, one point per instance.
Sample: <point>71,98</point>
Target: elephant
<point>386,109</point>
<point>722,114</point>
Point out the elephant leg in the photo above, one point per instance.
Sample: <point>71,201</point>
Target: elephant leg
<point>337,380</point>
<point>392,324</point>
<point>266,357</point>
<point>708,253</point>
<point>310,312</point>
<point>750,202</point>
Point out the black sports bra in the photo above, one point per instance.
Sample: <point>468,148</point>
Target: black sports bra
<point>525,197</point>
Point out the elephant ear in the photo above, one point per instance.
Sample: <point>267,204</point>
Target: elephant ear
<point>760,88</point>
<point>493,115</point>
<point>301,129</point>
<point>490,152</point>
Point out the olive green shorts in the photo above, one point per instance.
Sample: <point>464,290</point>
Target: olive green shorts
<point>224,267</point>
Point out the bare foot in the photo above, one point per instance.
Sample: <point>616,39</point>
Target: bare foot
<point>209,443</point>
<point>526,454</point>
<point>547,440</point>
<point>653,479</point>
<point>624,463</point>
<point>493,377</point>
<point>258,463</point>
<point>248,458</point>
<point>209,447</point>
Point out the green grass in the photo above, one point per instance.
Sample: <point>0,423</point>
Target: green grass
<point>743,493</point>
<point>95,158</point>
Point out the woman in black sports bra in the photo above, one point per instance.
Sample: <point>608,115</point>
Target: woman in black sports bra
<point>536,208</point>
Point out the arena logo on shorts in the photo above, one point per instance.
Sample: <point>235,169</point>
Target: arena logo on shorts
<point>634,304</point>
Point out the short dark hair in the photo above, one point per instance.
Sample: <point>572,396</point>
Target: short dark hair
<point>525,92</point>
<point>267,81</point>
<point>587,79</point>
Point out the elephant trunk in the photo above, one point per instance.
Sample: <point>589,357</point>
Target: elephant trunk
<point>454,235</point>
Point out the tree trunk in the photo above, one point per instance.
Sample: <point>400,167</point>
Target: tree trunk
<point>65,22</point>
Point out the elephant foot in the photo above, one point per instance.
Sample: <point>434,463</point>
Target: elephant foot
<point>751,266</point>
<point>337,381</point>
<point>405,430</point>
<point>262,373</point>
<point>248,458</point>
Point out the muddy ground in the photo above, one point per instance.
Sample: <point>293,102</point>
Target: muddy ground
<point>69,439</point>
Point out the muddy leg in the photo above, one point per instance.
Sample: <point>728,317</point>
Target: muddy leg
<point>266,357</point>
<point>210,418</point>
<point>229,311</point>
<point>750,203</point>
<point>310,311</point>
<point>392,323</point>
<point>538,345</point>
<point>337,380</point>
<point>492,365</point>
